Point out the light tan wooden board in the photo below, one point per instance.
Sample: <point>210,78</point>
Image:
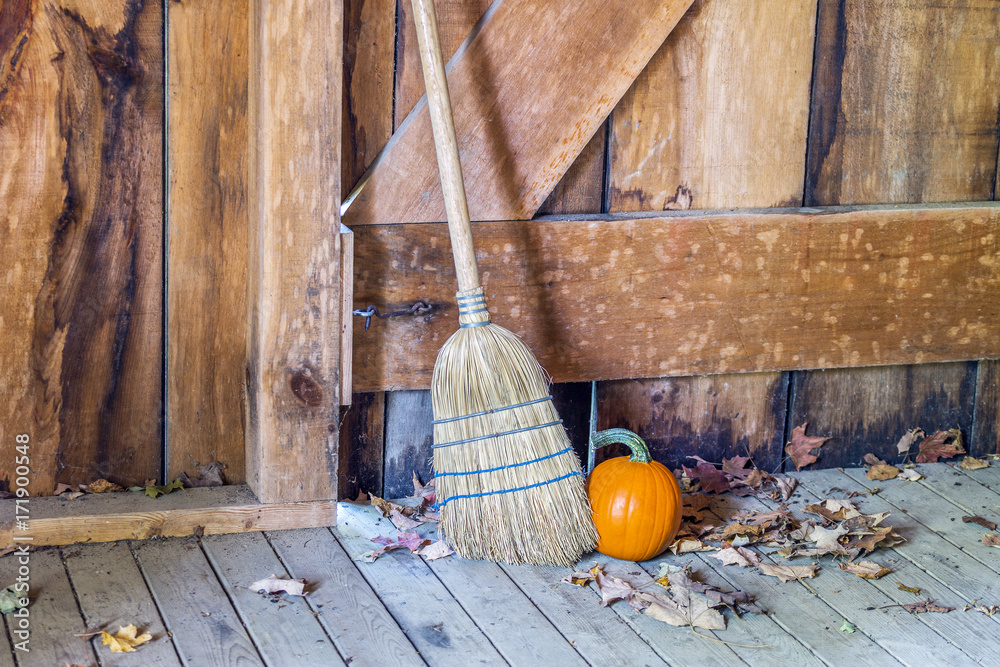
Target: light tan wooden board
<point>81,184</point>
<point>432,619</point>
<point>974,498</point>
<point>131,515</point>
<point>112,594</point>
<point>350,611</point>
<point>516,153</point>
<point>696,293</point>
<point>205,628</point>
<point>597,633</point>
<point>966,631</point>
<point>858,601</point>
<point>286,632</point>
<point>53,615</point>
<point>295,286</point>
<point>925,506</point>
<point>988,477</point>
<point>207,235</point>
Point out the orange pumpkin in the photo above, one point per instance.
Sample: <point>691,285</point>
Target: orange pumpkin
<point>636,501</point>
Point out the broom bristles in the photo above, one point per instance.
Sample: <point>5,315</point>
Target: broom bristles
<point>487,368</point>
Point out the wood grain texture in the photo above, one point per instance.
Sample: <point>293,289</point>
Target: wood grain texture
<point>719,117</point>
<point>867,410</point>
<point>905,101</point>
<point>408,440</point>
<point>207,251</point>
<point>362,446</point>
<point>131,516</point>
<point>81,108</point>
<point>581,189</point>
<point>697,293</point>
<point>715,417</point>
<point>294,277</point>
<point>986,430</point>
<point>515,160</point>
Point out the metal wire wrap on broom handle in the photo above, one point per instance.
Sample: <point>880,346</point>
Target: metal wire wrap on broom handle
<point>439,104</point>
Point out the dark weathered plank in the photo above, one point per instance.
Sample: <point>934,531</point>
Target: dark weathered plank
<point>205,628</point>
<point>207,239</point>
<point>362,445</point>
<point>714,417</point>
<point>581,189</point>
<point>866,410</point>
<point>408,440</point>
<point>986,429</point>
<point>696,293</point>
<point>81,107</point>
<point>54,616</point>
<point>112,594</point>
<point>361,627</point>
<point>524,50</point>
<point>294,351</point>
<point>285,633</point>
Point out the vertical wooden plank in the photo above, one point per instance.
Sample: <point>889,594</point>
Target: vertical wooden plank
<point>294,278</point>
<point>362,443</point>
<point>369,58</point>
<point>732,78</point>
<point>888,77</point>
<point>81,109</point>
<point>581,189</point>
<point>408,440</point>
<point>207,235</point>
<point>986,429</point>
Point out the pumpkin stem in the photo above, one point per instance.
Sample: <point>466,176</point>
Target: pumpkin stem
<point>640,452</point>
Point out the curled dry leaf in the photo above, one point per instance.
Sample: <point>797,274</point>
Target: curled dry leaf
<point>912,436</point>
<point>272,585</point>
<point>125,640</point>
<point>908,589</point>
<point>985,523</point>
<point>866,569</point>
<point>910,475</point>
<point>801,447</point>
<point>989,610</point>
<point>991,540</point>
<point>435,550</point>
<point>943,444</point>
<point>685,609</point>
<point>737,556</point>
<point>882,472</point>
<point>102,486</point>
<point>402,522</point>
<point>926,606</point>
<point>972,463</point>
<point>789,572</point>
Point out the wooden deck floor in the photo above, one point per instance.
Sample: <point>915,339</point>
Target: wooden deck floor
<point>191,595</point>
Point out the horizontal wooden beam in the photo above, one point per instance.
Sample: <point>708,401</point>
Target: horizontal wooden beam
<point>695,292</point>
<point>107,517</point>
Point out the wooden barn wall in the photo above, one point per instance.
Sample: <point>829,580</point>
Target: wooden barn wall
<point>748,104</point>
<point>81,219</point>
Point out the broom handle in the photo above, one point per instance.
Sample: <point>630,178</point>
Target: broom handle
<point>439,104</point>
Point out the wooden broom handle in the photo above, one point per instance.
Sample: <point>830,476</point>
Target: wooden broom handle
<point>439,104</point>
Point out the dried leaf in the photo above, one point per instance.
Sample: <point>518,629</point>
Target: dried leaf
<point>209,474</point>
<point>155,491</point>
<point>866,569</point>
<point>737,556</point>
<point>910,475</point>
<point>834,510</point>
<point>102,486</point>
<point>985,523</point>
<point>943,444</point>
<point>904,444</point>
<point>848,627</point>
<point>801,447</point>
<point>436,550</point>
<point>908,589</point>
<point>737,467</point>
<point>11,601</point>
<point>125,640</point>
<point>686,609</point>
<point>972,463</point>
<point>424,490</point>
<point>61,489</point>
<point>578,578</point>
<point>712,479</point>
<point>612,588</point>
<point>991,540</point>
<point>983,609</point>
<point>873,460</point>
<point>926,606</point>
<point>272,585</point>
<point>882,472</point>
<point>402,522</point>
<point>688,545</point>
<point>789,572</point>
<point>826,539</point>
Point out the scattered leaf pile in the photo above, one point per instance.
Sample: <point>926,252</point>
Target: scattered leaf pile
<point>406,518</point>
<point>735,477</point>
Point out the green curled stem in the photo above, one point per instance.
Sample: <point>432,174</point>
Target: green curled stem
<point>640,452</point>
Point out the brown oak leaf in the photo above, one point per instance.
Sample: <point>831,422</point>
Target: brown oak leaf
<point>801,447</point>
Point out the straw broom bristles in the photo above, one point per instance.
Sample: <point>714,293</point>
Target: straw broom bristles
<point>485,368</point>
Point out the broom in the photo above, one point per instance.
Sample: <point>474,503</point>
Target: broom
<point>509,485</point>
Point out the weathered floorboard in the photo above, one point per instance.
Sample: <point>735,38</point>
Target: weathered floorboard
<point>362,629</point>
<point>203,624</point>
<point>54,617</point>
<point>696,293</point>
<point>432,619</point>
<point>295,287</point>
<point>523,51</point>
<point>112,594</point>
<point>81,135</point>
<point>988,477</point>
<point>285,633</point>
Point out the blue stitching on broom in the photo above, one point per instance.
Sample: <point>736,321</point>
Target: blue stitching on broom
<point>512,465</point>
<point>437,506</point>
